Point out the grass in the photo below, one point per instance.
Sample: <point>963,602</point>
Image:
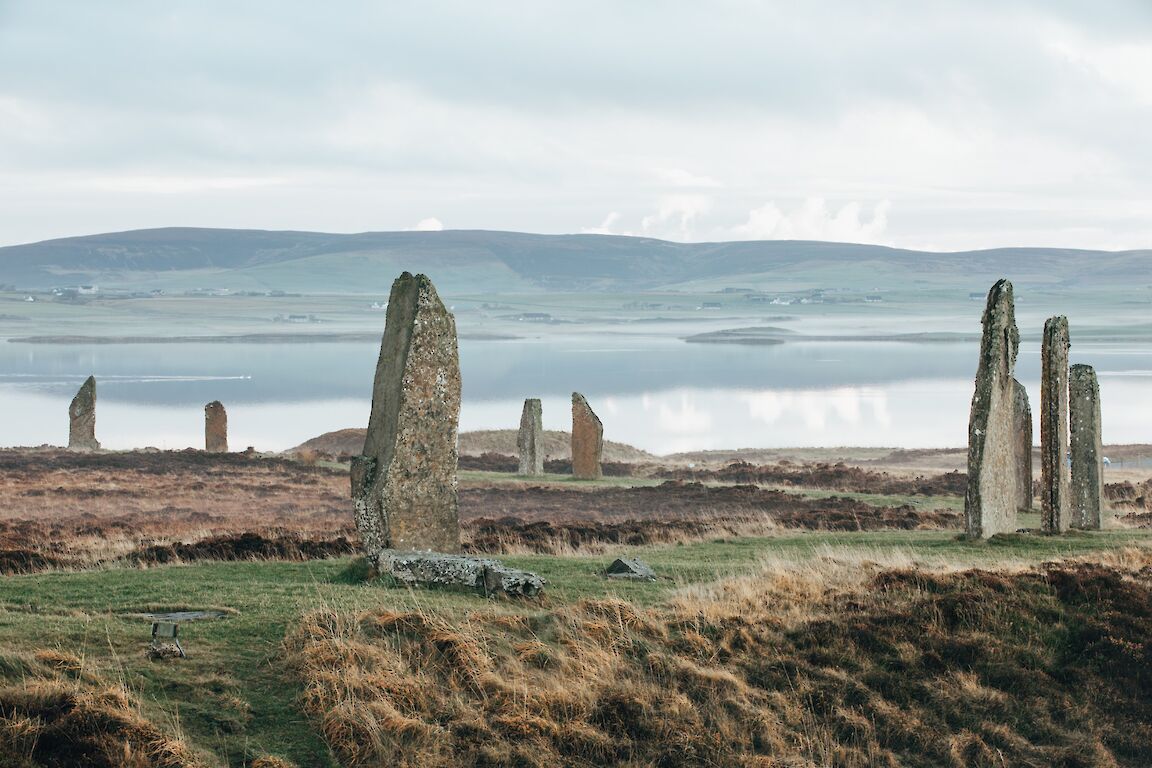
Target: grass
<point>235,700</point>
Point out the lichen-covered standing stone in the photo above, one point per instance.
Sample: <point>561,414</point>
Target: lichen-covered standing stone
<point>215,428</point>
<point>1055,475</point>
<point>1022,428</point>
<point>587,440</point>
<point>991,497</point>
<point>1085,443</point>
<point>530,438</point>
<point>404,484</point>
<point>82,417</point>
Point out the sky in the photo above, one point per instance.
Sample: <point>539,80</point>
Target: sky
<point>931,124</point>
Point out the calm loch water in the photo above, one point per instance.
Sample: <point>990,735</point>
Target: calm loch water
<point>657,393</point>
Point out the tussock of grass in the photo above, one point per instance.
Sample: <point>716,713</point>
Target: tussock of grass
<point>855,661</point>
<point>59,716</point>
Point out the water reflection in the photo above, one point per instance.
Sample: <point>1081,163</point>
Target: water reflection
<point>659,394</point>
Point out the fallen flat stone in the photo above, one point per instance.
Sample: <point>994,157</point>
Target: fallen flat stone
<point>630,568</point>
<point>404,484</point>
<point>484,575</point>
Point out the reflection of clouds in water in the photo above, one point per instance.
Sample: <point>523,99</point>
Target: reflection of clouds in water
<point>684,417</point>
<point>816,406</point>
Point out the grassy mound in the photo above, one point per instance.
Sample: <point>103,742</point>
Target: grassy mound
<point>1048,666</point>
<point>60,715</point>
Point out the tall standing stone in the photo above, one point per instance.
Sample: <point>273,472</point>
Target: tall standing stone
<point>1055,475</point>
<point>992,493</point>
<point>82,417</point>
<point>215,428</point>
<point>587,440</point>
<point>1022,429</point>
<point>404,484</point>
<point>1085,443</point>
<point>530,439</point>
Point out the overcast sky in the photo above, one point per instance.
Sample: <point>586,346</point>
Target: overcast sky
<point>938,124</point>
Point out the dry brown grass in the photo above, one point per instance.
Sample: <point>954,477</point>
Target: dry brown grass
<point>855,661</point>
<point>62,715</point>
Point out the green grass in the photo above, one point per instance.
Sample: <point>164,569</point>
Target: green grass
<point>233,698</point>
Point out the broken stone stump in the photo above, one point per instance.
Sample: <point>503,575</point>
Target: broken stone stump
<point>1022,429</point>
<point>530,439</point>
<point>82,418</point>
<point>1085,444</point>
<point>404,484</point>
<point>215,428</point>
<point>1055,475</point>
<point>991,497</point>
<point>630,568</point>
<point>587,440</point>
<point>484,575</point>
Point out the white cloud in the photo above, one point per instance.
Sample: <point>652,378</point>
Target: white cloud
<point>675,219</point>
<point>814,220</point>
<point>429,225</point>
<point>678,177</point>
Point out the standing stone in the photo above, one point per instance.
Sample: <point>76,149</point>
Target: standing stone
<point>82,417</point>
<point>215,428</point>
<point>587,440</point>
<point>531,438</point>
<point>1087,451</point>
<point>404,484</point>
<point>992,493</point>
<point>1022,428</point>
<point>1055,475</point>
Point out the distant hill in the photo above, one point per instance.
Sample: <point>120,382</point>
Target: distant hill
<point>465,261</point>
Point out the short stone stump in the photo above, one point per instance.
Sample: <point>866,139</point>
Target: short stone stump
<point>480,574</point>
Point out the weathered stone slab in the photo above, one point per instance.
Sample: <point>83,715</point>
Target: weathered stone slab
<point>1087,469</point>
<point>1022,429</point>
<point>486,576</point>
<point>1055,475</point>
<point>587,440</point>
<point>991,497</point>
<point>630,568</point>
<point>82,417</point>
<point>215,428</point>
<point>530,439</point>
<point>404,484</point>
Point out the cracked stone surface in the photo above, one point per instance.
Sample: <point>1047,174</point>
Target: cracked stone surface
<point>82,418</point>
<point>992,495</point>
<point>1022,428</point>
<point>215,428</point>
<point>531,438</point>
<point>404,484</point>
<point>587,440</point>
<point>1055,474</point>
<point>484,575</point>
<point>1085,444</point>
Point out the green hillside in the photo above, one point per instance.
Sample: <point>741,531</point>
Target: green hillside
<point>475,262</point>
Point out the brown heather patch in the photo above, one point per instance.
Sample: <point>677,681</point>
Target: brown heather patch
<point>60,509</point>
<point>57,715</point>
<point>836,477</point>
<point>830,665</point>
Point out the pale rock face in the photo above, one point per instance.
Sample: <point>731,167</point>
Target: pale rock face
<point>587,440</point>
<point>404,485</point>
<point>1085,444</point>
<point>82,418</point>
<point>1055,475</point>
<point>530,438</point>
<point>993,482</point>
<point>215,428</point>
<point>1022,415</point>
